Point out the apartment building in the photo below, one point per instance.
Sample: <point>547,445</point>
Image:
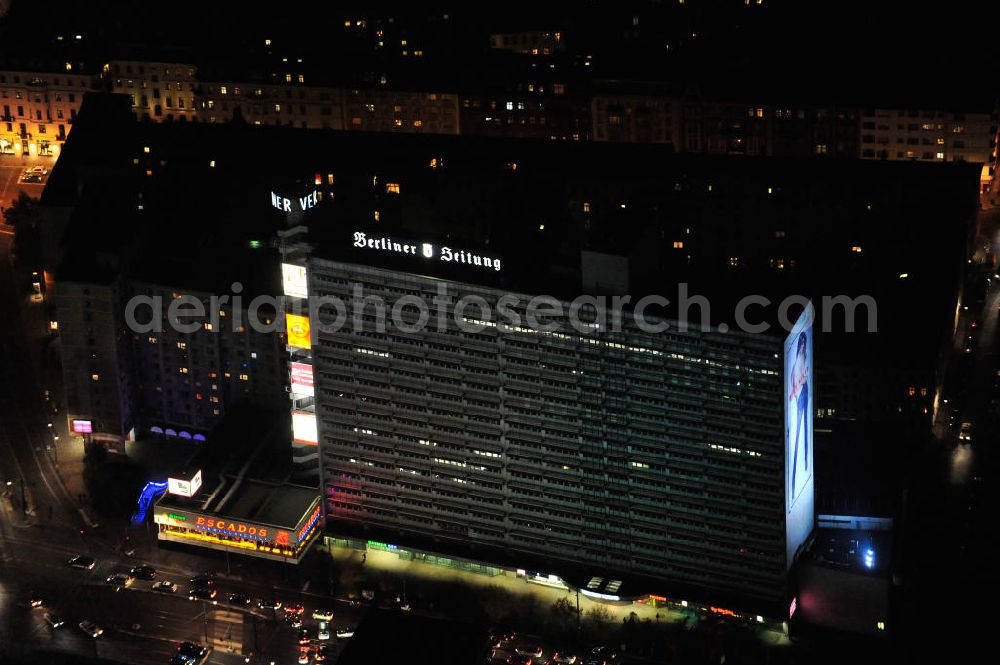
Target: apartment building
<point>37,110</point>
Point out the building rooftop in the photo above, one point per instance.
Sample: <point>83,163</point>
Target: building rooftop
<point>854,550</point>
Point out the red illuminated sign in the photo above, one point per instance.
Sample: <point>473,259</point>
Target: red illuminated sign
<point>302,379</point>
<point>309,523</point>
<point>282,538</point>
<point>238,528</point>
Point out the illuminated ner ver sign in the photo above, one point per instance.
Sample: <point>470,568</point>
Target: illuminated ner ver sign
<point>302,202</point>
<point>425,250</point>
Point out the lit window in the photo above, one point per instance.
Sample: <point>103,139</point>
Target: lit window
<point>244,377</point>
<point>267,42</point>
<point>940,155</point>
<point>734,261</point>
<point>586,206</point>
<point>911,391</point>
<point>182,345</point>
<point>376,215</point>
<point>302,78</point>
<point>208,326</point>
<point>392,187</point>
<point>95,377</point>
<point>678,244</point>
<point>145,149</point>
<point>182,370</point>
<point>418,123</point>
<point>153,340</point>
<point>223,90</point>
<point>329,178</point>
<point>856,249</point>
<point>923,392</point>
<point>288,78</point>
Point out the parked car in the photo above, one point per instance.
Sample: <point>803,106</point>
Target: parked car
<point>203,593</point>
<point>532,650</point>
<point>203,580</point>
<point>164,586</point>
<point>144,572</point>
<point>54,620</point>
<point>189,653</point>
<point>84,562</point>
<point>323,632</point>
<point>120,580</point>
<point>240,599</point>
<point>323,615</point>
<point>91,628</point>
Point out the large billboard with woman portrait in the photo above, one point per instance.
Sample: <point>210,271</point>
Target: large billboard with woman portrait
<point>799,433</point>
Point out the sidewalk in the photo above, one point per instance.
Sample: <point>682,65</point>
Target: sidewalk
<point>389,562</point>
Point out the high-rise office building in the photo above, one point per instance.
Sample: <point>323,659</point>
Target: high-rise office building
<point>658,455</point>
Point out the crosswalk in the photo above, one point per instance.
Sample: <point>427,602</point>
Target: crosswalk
<point>226,630</point>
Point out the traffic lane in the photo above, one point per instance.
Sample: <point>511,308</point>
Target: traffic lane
<point>159,623</point>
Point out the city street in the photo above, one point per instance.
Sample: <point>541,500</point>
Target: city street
<point>141,626</point>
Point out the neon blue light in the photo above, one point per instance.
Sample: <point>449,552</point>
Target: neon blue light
<point>150,492</point>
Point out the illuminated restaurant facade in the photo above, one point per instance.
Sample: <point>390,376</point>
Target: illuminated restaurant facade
<point>279,542</point>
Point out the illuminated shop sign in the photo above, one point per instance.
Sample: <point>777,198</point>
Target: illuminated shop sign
<point>293,279</point>
<point>182,487</point>
<point>300,203</point>
<point>425,250</point>
<point>83,426</point>
<point>302,380</point>
<point>297,327</point>
<point>234,528</point>
<point>304,531</point>
<point>304,428</point>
